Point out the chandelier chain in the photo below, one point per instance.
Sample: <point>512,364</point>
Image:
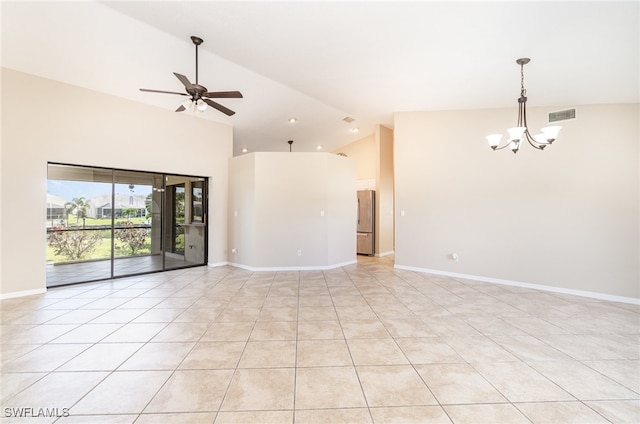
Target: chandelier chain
<point>522,90</point>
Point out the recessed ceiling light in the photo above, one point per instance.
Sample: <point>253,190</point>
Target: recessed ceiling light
<point>244,150</point>
<point>319,147</point>
<point>293,120</point>
<point>355,130</point>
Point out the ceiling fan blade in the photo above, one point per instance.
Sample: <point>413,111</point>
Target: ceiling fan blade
<point>164,92</point>
<point>181,109</point>
<point>184,80</point>
<point>223,94</point>
<point>218,106</point>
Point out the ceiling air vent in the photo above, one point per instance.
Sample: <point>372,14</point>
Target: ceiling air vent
<point>348,119</point>
<point>562,115</point>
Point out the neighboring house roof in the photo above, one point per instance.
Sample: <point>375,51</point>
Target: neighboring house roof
<point>122,201</point>
<point>54,201</point>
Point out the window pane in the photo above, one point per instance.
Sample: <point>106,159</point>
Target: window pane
<point>78,236</point>
<point>136,242</point>
<point>196,201</point>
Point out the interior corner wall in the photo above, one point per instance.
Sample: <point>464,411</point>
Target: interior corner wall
<point>385,192</point>
<point>363,151</point>
<point>565,217</point>
<point>78,126</point>
<point>242,209</point>
<point>296,210</point>
<point>341,210</point>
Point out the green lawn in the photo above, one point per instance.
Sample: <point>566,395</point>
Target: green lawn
<point>101,251</point>
<point>92,222</point>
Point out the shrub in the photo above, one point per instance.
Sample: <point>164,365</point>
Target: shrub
<point>131,236</point>
<point>73,243</point>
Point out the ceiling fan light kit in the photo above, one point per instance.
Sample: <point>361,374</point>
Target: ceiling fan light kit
<point>199,97</point>
<point>521,131</point>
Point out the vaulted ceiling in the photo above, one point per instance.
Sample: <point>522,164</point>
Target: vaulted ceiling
<point>323,61</point>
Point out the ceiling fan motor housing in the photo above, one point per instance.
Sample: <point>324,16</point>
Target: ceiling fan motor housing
<point>196,90</point>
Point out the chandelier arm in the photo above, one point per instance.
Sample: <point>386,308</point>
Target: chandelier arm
<point>502,147</point>
<point>532,141</point>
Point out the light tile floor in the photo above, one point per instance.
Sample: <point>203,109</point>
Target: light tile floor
<point>361,344</point>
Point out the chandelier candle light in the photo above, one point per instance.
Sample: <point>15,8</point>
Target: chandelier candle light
<point>521,131</point>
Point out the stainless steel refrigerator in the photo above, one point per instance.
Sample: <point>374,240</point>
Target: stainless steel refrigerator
<point>366,222</point>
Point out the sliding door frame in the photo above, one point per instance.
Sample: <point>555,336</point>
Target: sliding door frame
<point>162,204</point>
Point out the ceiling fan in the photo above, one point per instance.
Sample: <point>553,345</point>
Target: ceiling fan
<point>200,98</point>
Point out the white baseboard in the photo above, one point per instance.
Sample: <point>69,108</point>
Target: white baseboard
<point>216,264</point>
<point>389,253</point>
<point>292,268</point>
<point>22,293</point>
<point>583,293</point>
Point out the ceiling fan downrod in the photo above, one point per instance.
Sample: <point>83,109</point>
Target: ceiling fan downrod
<point>197,41</point>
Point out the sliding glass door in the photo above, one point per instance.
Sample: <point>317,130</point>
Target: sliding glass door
<point>105,223</point>
<point>184,227</point>
<point>137,246</point>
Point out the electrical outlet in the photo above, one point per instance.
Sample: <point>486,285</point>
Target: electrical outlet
<point>299,252</point>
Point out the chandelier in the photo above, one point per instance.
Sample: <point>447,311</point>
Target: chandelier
<point>521,130</point>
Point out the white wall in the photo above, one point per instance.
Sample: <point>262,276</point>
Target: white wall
<point>46,121</point>
<point>282,203</point>
<point>566,217</point>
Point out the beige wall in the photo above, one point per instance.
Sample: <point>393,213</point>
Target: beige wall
<point>385,194</point>
<point>44,121</point>
<point>285,203</point>
<point>365,156</point>
<point>242,208</point>
<point>565,217</point>
<point>341,211</point>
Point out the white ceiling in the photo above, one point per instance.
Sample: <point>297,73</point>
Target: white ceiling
<point>322,61</point>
